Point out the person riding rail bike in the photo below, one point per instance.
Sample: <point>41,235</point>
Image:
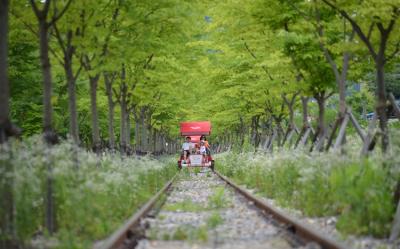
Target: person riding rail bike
<point>206,144</point>
<point>187,146</point>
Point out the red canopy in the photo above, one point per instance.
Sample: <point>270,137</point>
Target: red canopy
<point>195,128</point>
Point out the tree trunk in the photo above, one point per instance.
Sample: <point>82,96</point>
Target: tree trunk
<point>304,103</point>
<point>291,116</point>
<point>159,143</point>
<point>4,82</point>
<point>395,231</point>
<point>143,135</point>
<point>252,131</point>
<point>94,117</point>
<point>128,130</point>
<point>306,124</point>
<point>73,120</point>
<point>149,131</point>
<point>381,102</point>
<point>340,79</point>
<point>124,109</point>
<point>122,135</point>
<point>279,131</point>
<point>49,135</point>
<point>321,115</point>
<point>108,80</point>
<point>46,74</point>
<point>156,136</point>
<point>256,132</point>
<point>342,86</point>
<point>137,132</point>
<point>242,132</point>
<point>7,213</point>
<point>7,192</point>
<point>154,141</point>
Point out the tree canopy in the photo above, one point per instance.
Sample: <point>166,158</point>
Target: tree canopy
<point>156,63</point>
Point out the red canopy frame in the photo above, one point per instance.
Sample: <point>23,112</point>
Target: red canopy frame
<point>196,128</point>
<point>194,139</point>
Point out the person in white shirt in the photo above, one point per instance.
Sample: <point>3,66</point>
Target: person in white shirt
<point>186,147</point>
<point>203,149</point>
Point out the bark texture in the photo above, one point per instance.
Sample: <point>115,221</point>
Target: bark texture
<point>108,79</point>
<point>4,83</point>
<point>69,51</point>
<point>94,113</point>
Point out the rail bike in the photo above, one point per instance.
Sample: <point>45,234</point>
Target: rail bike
<point>193,154</point>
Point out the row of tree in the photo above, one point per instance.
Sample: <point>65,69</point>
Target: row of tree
<point>143,67</point>
<point>270,58</point>
<point>120,56</point>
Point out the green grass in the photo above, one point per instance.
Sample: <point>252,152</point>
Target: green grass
<point>181,233</point>
<point>214,220</point>
<point>218,199</point>
<point>190,233</point>
<point>184,206</point>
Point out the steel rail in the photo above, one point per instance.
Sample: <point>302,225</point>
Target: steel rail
<point>120,235</point>
<point>304,231</point>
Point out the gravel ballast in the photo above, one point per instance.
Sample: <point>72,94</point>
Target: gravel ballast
<point>201,211</point>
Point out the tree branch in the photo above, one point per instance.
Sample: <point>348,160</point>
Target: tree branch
<point>118,96</point>
<point>57,17</point>
<point>392,55</point>
<point>60,39</point>
<point>329,95</point>
<point>35,8</point>
<point>255,57</point>
<point>355,26</point>
<point>46,7</point>
<point>27,25</point>
<point>149,59</point>
<point>294,97</point>
<point>371,28</point>
<point>320,31</point>
<point>302,13</point>
<point>78,72</point>
<point>54,53</point>
<point>248,50</point>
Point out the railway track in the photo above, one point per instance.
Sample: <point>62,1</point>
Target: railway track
<point>207,210</point>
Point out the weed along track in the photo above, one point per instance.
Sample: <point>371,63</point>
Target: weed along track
<point>202,210</point>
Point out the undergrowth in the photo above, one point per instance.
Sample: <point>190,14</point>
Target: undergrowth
<point>359,191</point>
<point>93,194</point>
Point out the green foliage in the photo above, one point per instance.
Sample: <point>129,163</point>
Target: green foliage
<point>225,61</point>
<point>25,81</point>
